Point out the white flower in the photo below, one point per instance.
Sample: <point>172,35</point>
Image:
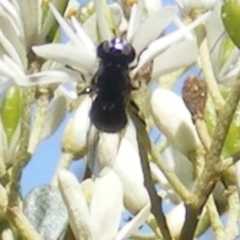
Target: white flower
<point>123,154</point>
<point>81,53</point>
<point>152,5</point>
<point>188,5</point>
<point>18,35</point>
<point>224,54</point>
<point>174,120</point>
<point>72,8</point>
<point>74,139</point>
<point>94,207</point>
<point>128,171</point>
<point>17,61</point>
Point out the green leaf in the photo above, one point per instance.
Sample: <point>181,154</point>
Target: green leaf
<point>11,110</point>
<point>46,211</point>
<point>231,19</point>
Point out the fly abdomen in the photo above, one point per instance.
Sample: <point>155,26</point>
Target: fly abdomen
<point>109,115</point>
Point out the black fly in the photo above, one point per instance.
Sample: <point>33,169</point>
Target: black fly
<point>111,85</point>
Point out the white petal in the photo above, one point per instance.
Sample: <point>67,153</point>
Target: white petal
<point>72,7</point>
<point>176,219</point>
<point>180,55</point>
<point>75,135</point>
<point>76,204</point>
<point>48,77</point>
<point>89,26</point>
<point>7,234</point>
<point>154,25</point>
<point>214,26</point>
<point>189,5</point>
<point>130,134</point>
<point>215,37</point>
<point>135,223</point>
<point>11,33</point>
<point>10,49</point>
<point>67,90</point>
<point>157,174</point>
<point>82,35</point>
<point>55,115</point>
<point>135,19</point>
<point>230,69</point>
<point>12,64</point>
<point>183,169</point>
<point>181,166</point>
<point>104,30</point>
<point>66,28</point>
<point>106,206</point>
<point>174,120</point>
<point>129,169</point>
<point>69,55</point>
<point>12,11</point>
<point>7,71</point>
<point>230,77</point>
<point>118,17</point>
<point>30,10</point>
<point>162,43</point>
<point>152,5</point>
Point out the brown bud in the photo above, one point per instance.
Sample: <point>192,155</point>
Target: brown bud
<point>194,95</point>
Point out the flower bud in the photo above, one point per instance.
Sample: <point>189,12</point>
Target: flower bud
<point>98,217</point>
<point>174,120</point>
<point>74,139</point>
<point>128,168</point>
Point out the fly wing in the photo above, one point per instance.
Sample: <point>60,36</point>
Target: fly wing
<point>102,150</point>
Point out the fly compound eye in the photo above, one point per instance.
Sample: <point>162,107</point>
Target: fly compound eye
<point>103,49</point>
<point>129,52</point>
<point>120,46</point>
<point>116,50</point>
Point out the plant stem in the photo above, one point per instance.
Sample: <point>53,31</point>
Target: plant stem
<point>144,147</point>
<point>213,167</point>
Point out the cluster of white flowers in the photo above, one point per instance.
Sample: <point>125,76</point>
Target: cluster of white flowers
<point>33,55</point>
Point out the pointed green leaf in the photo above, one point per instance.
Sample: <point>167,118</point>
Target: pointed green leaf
<point>46,210</point>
